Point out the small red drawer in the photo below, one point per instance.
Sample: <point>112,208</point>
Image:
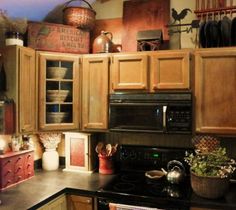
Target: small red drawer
<point>7,181</point>
<point>19,177</point>
<point>19,160</point>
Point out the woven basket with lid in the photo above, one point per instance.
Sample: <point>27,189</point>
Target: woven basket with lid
<point>81,17</point>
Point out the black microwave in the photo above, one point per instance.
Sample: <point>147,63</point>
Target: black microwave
<point>151,112</point>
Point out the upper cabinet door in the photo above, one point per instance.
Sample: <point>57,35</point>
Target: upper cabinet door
<point>95,91</point>
<point>27,90</point>
<point>170,70</point>
<point>129,72</point>
<point>215,95</point>
<point>21,76</point>
<point>59,91</point>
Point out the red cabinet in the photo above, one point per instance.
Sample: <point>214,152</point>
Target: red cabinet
<point>16,167</point>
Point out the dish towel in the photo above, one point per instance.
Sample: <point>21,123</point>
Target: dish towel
<point>116,206</point>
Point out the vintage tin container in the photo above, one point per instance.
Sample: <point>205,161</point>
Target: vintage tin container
<point>58,38</point>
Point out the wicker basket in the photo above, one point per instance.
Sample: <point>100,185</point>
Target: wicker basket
<point>209,187</point>
<point>83,18</point>
<point>57,117</point>
<point>56,72</point>
<point>57,95</point>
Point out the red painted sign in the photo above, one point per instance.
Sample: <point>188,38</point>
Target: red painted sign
<point>58,38</point>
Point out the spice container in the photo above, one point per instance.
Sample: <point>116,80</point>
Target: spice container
<point>14,38</point>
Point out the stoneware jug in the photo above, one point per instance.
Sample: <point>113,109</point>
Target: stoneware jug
<point>103,43</point>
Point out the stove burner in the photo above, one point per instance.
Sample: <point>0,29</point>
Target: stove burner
<point>168,190</point>
<point>124,187</point>
<point>131,178</point>
<point>156,189</point>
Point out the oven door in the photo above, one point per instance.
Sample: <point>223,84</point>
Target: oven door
<point>117,206</point>
<point>111,204</point>
<point>137,117</point>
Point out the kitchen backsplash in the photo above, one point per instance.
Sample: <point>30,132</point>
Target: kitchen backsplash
<point>166,140</point>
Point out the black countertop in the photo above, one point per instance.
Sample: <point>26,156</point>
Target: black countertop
<point>46,185</point>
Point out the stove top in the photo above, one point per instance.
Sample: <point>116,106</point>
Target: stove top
<point>131,186</point>
<point>136,184</point>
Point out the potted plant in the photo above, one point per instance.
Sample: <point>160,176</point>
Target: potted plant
<point>14,28</point>
<point>210,168</point>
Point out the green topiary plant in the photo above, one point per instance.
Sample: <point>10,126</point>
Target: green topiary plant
<point>213,163</point>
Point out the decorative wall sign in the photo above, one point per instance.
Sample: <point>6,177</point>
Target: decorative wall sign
<point>140,15</point>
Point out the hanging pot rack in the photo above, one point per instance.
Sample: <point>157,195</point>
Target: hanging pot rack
<point>214,7</point>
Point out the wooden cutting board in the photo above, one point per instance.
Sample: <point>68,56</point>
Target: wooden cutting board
<point>141,15</point>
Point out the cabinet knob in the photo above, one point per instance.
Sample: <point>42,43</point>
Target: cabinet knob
<point>9,161</point>
<point>18,169</point>
<point>19,158</point>
<point>8,172</point>
<point>88,201</point>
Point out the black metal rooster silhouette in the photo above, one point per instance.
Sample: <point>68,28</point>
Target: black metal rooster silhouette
<point>181,15</point>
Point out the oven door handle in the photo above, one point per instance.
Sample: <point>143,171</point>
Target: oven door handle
<point>164,118</point>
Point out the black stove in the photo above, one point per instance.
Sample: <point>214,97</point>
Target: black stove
<point>131,186</point>
<point>137,184</point>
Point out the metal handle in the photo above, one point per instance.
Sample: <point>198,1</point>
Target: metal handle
<point>164,117</point>
<point>67,3</point>
<point>108,33</point>
<point>171,164</point>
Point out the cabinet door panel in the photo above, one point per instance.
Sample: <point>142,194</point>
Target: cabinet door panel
<point>215,82</point>
<point>95,92</point>
<point>27,91</point>
<point>79,202</point>
<point>57,112</point>
<point>170,70</point>
<point>130,72</point>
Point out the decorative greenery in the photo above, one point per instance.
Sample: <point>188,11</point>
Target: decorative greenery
<point>12,24</point>
<point>214,163</point>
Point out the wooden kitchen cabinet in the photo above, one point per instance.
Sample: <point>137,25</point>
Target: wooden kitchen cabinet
<point>19,64</point>
<point>129,71</point>
<point>170,70</point>
<point>151,71</point>
<point>58,113</point>
<point>215,95</point>
<point>16,167</point>
<point>76,202</point>
<point>58,203</point>
<point>95,89</point>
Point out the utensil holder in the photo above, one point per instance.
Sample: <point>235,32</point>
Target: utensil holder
<point>106,164</point>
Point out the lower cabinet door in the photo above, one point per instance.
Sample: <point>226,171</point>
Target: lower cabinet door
<point>58,203</point>
<point>75,202</point>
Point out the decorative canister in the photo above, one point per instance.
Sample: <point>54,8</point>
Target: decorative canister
<point>50,160</point>
<point>14,38</point>
<point>106,164</point>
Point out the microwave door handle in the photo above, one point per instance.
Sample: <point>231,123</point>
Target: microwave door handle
<point>164,118</point>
